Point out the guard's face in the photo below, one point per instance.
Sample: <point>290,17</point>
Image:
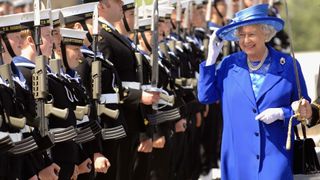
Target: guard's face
<point>112,10</point>
<point>46,47</point>
<point>252,41</point>
<point>222,8</point>
<point>130,18</point>
<point>174,16</point>
<point>15,42</point>
<point>169,26</point>
<point>248,3</point>
<point>162,30</point>
<point>198,17</point>
<point>57,40</point>
<point>19,10</point>
<point>74,55</point>
<point>149,37</point>
<point>5,9</point>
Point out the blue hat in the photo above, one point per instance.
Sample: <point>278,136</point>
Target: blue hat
<point>257,14</point>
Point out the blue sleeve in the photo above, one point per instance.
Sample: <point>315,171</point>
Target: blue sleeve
<point>207,84</point>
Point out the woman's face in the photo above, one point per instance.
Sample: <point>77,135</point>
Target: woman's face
<point>252,41</point>
<point>73,55</point>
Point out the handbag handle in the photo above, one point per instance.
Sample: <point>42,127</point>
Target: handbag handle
<point>304,132</point>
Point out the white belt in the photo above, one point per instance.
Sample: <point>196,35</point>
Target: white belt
<point>110,98</point>
<point>84,120</point>
<point>131,84</point>
<point>15,137</point>
<point>146,87</point>
<point>27,129</point>
<point>161,101</point>
<point>3,134</point>
<point>187,87</point>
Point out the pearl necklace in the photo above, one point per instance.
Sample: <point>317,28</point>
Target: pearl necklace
<point>254,68</point>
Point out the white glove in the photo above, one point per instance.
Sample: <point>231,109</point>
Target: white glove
<point>305,109</point>
<point>213,49</point>
<point>270,115</point>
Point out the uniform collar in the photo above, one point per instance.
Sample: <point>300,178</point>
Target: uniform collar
<point>21,61</point>
<point>18,76</point>
<point>103,21</point>
<point>87,51</point>
<point>24,62</point>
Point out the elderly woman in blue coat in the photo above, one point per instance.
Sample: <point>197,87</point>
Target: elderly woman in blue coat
<point>256,87</point>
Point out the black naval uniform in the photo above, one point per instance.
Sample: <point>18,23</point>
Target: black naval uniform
<point>118,50</point>
<point>162,169</point>
<point>17,104</point>
<point>65,154</point>
<point>109,81</point>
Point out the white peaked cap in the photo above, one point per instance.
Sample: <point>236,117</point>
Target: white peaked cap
<point>78,9</point>
<point>145,11</point>
<point>145,22</point>
<point>29,16</point>
<point>55,14</point>
<point>10,20</point>
<point>17,3</point>
<point>164,10</point>
<point>126,2</point>
<point>72,33</point>
<point>185,3</point>
<point>198,2</point>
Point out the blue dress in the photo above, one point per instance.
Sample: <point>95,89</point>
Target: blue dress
<point>251,149</point>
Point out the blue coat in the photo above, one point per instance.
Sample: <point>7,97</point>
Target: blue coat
<point>251,149</point>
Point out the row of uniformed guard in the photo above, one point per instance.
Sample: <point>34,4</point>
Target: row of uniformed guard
<point>100,106</point>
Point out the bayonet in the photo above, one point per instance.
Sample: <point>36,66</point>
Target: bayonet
<point>178,16</point>
<point>207,30</point>
<point>154,59</point>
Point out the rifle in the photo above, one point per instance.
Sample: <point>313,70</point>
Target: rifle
<point>6,75</point>
<point>40,84</point>
<point>96,73</point>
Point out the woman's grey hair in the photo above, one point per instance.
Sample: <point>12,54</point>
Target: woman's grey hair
<point>267,29</point>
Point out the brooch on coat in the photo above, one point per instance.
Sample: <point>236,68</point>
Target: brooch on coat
<point>282,61</point>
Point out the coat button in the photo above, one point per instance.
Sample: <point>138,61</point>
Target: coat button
<point>258,157</point>
<point>254,110</point>
<point>256,134</point>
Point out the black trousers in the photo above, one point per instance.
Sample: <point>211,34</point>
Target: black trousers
<point>10,167</point>
<point>179,159</point>
<point>162,161</point>
<point>128,153</point>
<point>142,164</point>
<point>211,138</point>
